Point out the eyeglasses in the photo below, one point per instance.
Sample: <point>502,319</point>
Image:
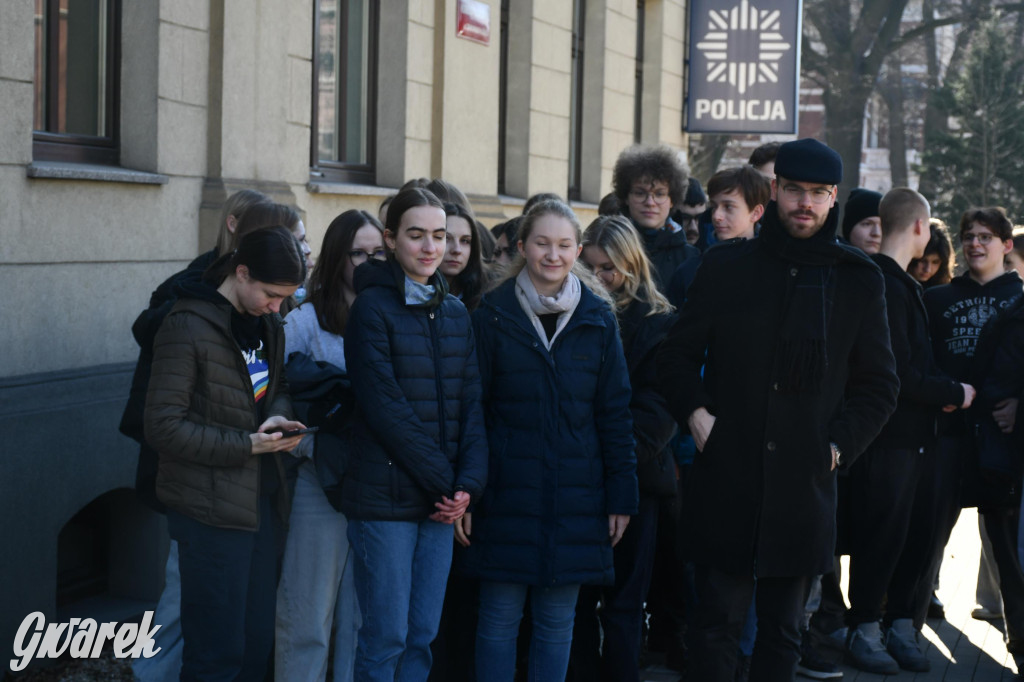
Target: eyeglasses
<point>983,238</point>
<point>818,195</point>
<point>685,218</point>
<point>358,256</point>
<point>641,196</point>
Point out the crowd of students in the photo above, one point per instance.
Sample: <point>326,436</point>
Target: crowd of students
<point>472,454</point>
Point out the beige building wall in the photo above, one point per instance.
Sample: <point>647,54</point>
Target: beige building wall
<point>619,85</point>
<point>550,93</point>
<point>216,96</point>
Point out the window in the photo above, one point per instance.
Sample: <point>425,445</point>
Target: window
<point>77,74</point>
<point>344,90</point>
<point>576,100</point>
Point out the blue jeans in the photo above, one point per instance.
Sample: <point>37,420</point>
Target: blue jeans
<point>401,568</point>
<point>228,590</point>
<point>317,589</point>
<point>166,665</point>
<point>501,609</point>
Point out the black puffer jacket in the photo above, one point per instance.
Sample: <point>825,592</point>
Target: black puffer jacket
<point>418,431</point>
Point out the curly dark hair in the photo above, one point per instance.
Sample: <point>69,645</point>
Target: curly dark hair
<point>992,217</point>
<point>651,164</point>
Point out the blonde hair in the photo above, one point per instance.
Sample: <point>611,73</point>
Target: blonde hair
<point>236,205</point>
<point>621,243</point>
<point>560,210</point>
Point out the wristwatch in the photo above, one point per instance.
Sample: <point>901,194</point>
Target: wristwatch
<point>839,455</point>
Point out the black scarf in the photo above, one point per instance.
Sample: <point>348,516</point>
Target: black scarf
<point>802,360</point>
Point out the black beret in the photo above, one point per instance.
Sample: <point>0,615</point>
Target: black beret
<point>808,160</point>
<point>862,203</point>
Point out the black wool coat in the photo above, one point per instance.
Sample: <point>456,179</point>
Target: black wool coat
<point>763,494</point>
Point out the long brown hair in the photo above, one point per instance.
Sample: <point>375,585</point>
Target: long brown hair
<point>326,292</point>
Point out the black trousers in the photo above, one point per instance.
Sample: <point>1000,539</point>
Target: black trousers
<point>1001,526</point>
<point>883,484</point>
<point>723,600</point>
<point>622,611</point>
<point>935,511</point>
<point>667,601</point>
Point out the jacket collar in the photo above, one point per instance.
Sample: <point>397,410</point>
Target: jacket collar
<point>503,302</point>
<point>965,280</point>
<point>891,267</point>
<point>389,274</point>
<point>219,315</point>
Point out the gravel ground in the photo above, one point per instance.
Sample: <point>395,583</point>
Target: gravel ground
<point>103,669</point>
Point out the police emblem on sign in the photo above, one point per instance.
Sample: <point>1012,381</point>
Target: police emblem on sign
<point>744,66</point>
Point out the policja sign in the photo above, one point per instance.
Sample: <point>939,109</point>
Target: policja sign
<point>744,66</point>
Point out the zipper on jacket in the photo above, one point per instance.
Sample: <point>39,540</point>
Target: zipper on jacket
<point>435,343</point>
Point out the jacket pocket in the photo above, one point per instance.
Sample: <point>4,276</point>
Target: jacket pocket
<point>712,438</point>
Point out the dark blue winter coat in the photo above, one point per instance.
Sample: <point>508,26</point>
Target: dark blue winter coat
<point>418,431</point>
<point>561,445</point>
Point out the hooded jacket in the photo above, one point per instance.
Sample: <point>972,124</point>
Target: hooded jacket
<point>762,492</point>
<point>666,248</point>
<point>957,312</point>
<point>418,431</point>
<point>144,330</point>
<point>200,411</point>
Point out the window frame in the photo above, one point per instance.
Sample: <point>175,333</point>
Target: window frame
<point>75,148</point>
<point>638,93</point>
<point>574,189</point>
<point>339,171</point>
<point>503,47</point>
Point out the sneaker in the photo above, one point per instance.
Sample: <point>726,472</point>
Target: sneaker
<point>813,665</point>
<point>866,651</point>
<point>906,652</point>
<point>981,613</point>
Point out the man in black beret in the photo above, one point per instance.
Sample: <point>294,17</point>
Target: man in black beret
<point>781,367</point>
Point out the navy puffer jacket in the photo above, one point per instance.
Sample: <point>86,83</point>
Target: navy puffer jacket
<point>561,445</point>
<point>418,431</point>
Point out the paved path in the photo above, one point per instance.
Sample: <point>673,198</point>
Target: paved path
<point>960,648</point>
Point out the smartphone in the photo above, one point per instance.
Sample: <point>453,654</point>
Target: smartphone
<point>296,432</point>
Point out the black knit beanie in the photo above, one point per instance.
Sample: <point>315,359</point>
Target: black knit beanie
<point>862,203</point>
<point>808,160</point>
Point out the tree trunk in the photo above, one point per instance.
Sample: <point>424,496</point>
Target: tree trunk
<point>844,131</point>
<point>706,152</point>
<point>893,94</point>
